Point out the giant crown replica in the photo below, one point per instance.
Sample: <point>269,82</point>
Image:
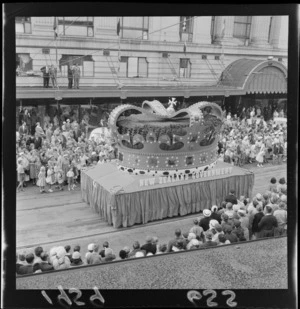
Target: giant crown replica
<point>154,140</point>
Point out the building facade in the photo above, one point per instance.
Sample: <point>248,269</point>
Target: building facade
<point>226,59</point>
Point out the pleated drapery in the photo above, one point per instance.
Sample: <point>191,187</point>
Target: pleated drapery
<point>145,204</point>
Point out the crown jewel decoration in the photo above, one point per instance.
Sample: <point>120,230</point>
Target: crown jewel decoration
<point>154,140</point>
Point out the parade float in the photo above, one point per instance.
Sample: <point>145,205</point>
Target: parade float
<point>167,164</point>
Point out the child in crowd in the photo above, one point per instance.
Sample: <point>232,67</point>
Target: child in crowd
<point>60,178</point>
<point>21,175</point>
<point>42,179</point>
<point>70,176</point>
<point>50,180</point>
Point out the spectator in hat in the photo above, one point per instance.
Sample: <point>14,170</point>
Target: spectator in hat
<point>90,251</point>
<point>44,264</point>
<point>197,230</point>
<point>267,224</point>
<point>173,242</point>
<point>61,261</point>
<point>139,254</point>
<point>94,257</point>
<point>281,217</point>
<point>136,248</point>
<point>38,251</point>
<point>226,222</point>
<point>231,198</point>
<point>204,222</point>
<point>28,268</point>
<point>76,259</point>
<point>149,246</point>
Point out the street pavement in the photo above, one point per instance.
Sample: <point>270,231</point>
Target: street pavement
<point>62,218</point>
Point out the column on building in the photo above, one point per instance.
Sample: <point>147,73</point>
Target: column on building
<point>279,32</point>
<point>260,31</point>
<point>201,31</point>
<point>223,30</point>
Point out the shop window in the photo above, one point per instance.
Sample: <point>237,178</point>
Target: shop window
<point>86,64</point>
<point>185,68</point>
<point>23,64</point>
<point>242,27</point>
<point>133,67</point>
<point>186,28</point>
<point>136,27</point>
<point>76,26</point>
<point>23,24</point>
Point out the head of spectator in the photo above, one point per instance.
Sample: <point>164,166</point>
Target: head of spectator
<point>76,248</point>
<point>218,228</point>
<point>274,199</point>
<point>154,240</point>
<point>162,248</point>
<point>126,249</point>
<point>76,258</point>
<point>258,197</point>
<point>225,217</point>
<point>273,180</point>
<point>208,236</point>
<point>149,239</point>
<point>283,198</point>
<point>265,196</point>
<point>68,248</point>
<point>196,222</point>
<point>282,205</point>
<point>229,206</point>
<point>228,230</point>
<point>61,261</point>
<point>106,244</point>
<point>29,258</point>
<point>232,192</point>
<point>178,233</point>
<point>212,224</point>
<point>123,254</point>
<point>255,203</point>
<point>269,209</point>
<point>52,254</point>
<point>237,223</point>
<point>185,235</point>
<point>223,205</point>
<point>235,207</point>
<point>206,213</point>
<point>21,257</point>
<point>179,245</point>
<point>282,181</point>
<point>38,251</point>
<point>136,245</point>
<point>222,238</point>
<point>91,248</point>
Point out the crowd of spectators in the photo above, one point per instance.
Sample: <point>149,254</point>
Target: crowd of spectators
<point>54,155</point>
<point>249,138</point>
<point>235,220</point>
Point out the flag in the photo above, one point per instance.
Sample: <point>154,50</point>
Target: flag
<point>223,29</point>
<point>118,27</point>
<point>55,28</point>
<point>184,47</point>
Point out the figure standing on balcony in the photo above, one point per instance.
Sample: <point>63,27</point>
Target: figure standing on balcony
<point>76,74</point>
<point>45,71</point>
<point>70,77</point>
<point>53,75</point>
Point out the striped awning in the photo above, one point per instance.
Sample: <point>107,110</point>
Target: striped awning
<point>256,76</point>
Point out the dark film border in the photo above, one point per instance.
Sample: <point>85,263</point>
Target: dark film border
<point>13,298</point>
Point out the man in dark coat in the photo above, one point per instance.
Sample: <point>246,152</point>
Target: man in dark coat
<point>45,71</point>
<point>37,141</point>
<point>149,246</point>
<point>204,222</point>
<point>231,198</point>
<point>267,224</point>
<point>70,77</point>
<point>23,130</point>
<point>27,269</point>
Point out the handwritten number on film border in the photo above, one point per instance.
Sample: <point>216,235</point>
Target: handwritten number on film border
<point>196,295</point>
<point>66,302</point>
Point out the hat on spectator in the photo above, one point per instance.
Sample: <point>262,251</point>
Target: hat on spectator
<point>258,196</point>
<point>283,198</point>
<point>214,208</point>
<point>191,236</point>
<point>76,255</point>
<point>212,223</point>
<point>206,213</point>
<point>91,247</point>
<point>195,242</point>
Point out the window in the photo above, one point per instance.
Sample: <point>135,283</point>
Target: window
<point>23,63</point>
<point>23,25</point>
<point>86,64</point>
<point>186,28</point>
<point>133,67</point>
<point>135,27</point>
<point>241,27</point>
<point>185,68</point>
<point>76,26</point>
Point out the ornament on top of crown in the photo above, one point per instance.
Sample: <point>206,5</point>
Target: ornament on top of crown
<point>171,104</point>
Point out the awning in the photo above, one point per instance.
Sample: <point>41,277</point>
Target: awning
<point>256,76</point>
